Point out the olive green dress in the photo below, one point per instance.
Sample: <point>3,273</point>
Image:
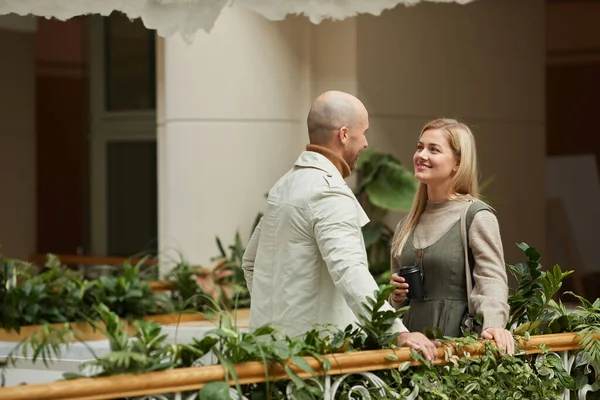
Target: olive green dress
<point>445,289</point>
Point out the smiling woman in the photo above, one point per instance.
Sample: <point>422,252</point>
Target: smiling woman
<point>446,217</point>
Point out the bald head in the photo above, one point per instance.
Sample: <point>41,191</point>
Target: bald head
<point>329,112</point>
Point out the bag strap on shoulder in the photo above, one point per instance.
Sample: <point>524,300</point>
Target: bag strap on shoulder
<point>465,243</point>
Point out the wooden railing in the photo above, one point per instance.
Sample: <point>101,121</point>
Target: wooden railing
<point>185,379</point>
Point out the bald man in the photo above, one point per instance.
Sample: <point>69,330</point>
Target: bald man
<point>306,262</point>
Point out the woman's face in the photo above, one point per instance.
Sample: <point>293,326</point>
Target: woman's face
<point>434,160</point>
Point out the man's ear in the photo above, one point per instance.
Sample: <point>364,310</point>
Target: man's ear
<point>344,134</point>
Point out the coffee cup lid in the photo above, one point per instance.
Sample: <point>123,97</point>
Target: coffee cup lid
<point>408,269</point>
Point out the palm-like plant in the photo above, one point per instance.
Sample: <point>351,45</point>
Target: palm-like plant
<point>234,261</point>
<point>200,288</point>
<point>217,283</point>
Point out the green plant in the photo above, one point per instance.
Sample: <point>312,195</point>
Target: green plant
<point>383,185</point>
<point>129,296</point>
<point>534,311</point>
<point>9,298</point>
<point>147,351</point>
<point>267,345</point>
<point>586,320</point>
<point>529,311</point>
<point>195,287</point>
<point>491,376</point>
<point>185,292</point>
<point>234,263</point>
<point>57,294</point>
<point>45,344</point>
<point>377,325</point>
<point>215,281</point>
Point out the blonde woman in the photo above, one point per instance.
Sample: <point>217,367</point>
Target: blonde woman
<point>429,237</point>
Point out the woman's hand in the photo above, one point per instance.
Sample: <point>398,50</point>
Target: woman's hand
<point>401,291</point>
<point>418,341</point>
<point>504,339</point>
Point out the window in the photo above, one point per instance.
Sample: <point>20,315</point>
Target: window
<point>123,164</point>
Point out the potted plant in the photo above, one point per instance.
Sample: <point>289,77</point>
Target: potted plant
<point>58,296</point>
<point>234,260</point>
<point>29,300</point>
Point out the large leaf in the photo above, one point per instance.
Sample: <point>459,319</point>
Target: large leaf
<point>368,158</point>
<point>393,188</point>
<point>369,169</point>
<point>372,233</point>
<point>215,391</point>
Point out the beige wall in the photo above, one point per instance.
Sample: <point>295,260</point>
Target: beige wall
<point>333,57</point>
<point>17,144</point>
<point>413,64</point>
<point>236,101</point>
<point>482,63</point>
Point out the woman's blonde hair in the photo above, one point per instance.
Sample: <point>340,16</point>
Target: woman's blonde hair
<point>464,181</point>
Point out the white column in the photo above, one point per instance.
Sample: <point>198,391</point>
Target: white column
<point>482,63</point>
<point>232,111</point>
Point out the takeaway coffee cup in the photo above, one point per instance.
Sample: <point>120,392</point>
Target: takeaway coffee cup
<point>412,276</point>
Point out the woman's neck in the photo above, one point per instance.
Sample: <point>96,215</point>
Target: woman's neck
<point>438,192</point>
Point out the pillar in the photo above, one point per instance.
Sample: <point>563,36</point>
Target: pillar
<point>231,120</point>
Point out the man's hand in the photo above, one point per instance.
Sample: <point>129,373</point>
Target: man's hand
<point>418,341</point>
<point>401,291</point>
<point>504,339</point>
